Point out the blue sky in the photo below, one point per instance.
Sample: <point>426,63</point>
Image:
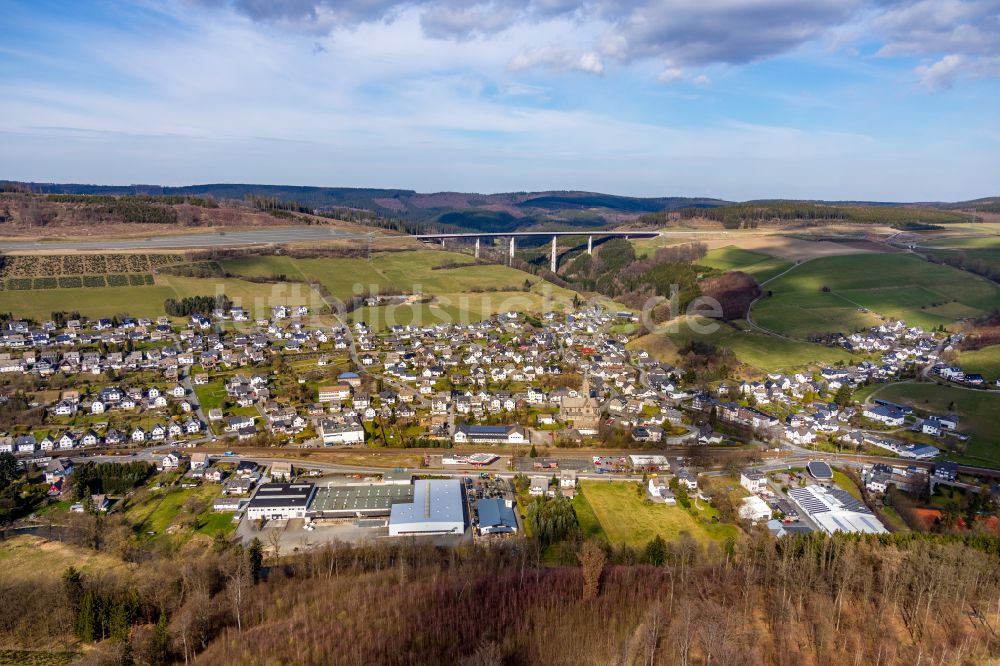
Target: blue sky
<point>833,99</point>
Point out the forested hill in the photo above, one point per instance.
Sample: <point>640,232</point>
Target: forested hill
<point>481,212</point>
<point>754,213</point>
<point>409,210</point>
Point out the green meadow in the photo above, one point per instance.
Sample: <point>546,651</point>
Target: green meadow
<point>760,351</point>
<point>831,294</point>
<point>760,266</point>
<point>978,412</point>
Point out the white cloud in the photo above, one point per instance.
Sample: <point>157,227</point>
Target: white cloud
<point>671,74</point>
<point>557,58</point>
<point>213,96</point>
<point>964,36</point>
<point>941,74</point>
<point>685,32</point>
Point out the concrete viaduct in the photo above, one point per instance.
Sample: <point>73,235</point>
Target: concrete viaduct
<point>528,234</point>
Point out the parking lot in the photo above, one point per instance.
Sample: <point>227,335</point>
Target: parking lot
<point>537,465</point>
<point>486,486</point>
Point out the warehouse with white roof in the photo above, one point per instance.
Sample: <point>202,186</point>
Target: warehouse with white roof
<point>835,510</point>
<point>438,507</point>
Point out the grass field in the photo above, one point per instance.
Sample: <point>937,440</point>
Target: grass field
<point>758,265</point>
<point>214,523</point>
<point>211,395</point>
<point>978,411</point>
<point>147,300</point>
<point>415,271</point>
<point>844,482</point>
<point>458,308</point>
<point>590,526</point>
<point>964,242</point>
<point>36,658</point>
<point>757,350</point>
<point>626,517</point>
<point>985,361</point>
<point>893,285</point>
<point>161,511</point>
<point>39,304</point>
<point>469,292</point>
<point>33,557</point>
<point>983,260</point>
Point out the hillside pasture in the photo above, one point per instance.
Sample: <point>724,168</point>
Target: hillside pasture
<point>900,286</point>
<point>985,361</point>
<point>26,556</point>
<point>455,281</point>
<point>758,265</point>
<point>400,271</point>
<point>147,300</point>
<point>978,242</point>
<point>759,351</point>
<point>39,304</point>
<point>978,412</point>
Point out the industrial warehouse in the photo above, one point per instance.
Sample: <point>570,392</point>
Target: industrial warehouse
<point>834,510</point>
<point>413,507</point>
<point>358,501</point>
<point>438,507</point>
<point>281,501</point>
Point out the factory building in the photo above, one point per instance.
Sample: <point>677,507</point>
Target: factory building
<point>834,510</point>
<point>438,507</point>
<point>280,501</point>
<point>371,500</point>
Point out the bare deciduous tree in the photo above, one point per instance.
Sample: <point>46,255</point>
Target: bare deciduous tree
<point>592,559</point>
<point>240,580</point>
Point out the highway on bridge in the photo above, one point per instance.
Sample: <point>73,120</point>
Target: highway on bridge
<point>265,236</point>
<point>273,235</point>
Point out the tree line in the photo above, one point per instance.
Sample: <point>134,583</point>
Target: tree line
<point>108,478</point>
<point>196,305</point>
<point>752,214</point>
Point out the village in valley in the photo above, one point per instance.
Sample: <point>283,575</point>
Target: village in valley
<point>497,412</point>
<point>478,333</point>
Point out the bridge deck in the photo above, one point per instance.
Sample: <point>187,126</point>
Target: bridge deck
<point>547,234</point>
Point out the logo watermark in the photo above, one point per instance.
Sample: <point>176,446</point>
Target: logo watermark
<point>312,305</point>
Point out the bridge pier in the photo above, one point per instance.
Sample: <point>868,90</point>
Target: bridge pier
<point>442,242</point>
<point>552,263</point>
<point>477,247</point>
<point>512,249</point>
<point>590,245</point>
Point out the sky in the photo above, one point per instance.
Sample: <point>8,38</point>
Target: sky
<point>894,100</point>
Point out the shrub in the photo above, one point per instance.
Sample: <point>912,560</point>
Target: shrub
<point>70,282</point>
<point>19,283</point>
<point>72,264</point>
<point>118,280</point>
<point>94,281</point>
<point>137,263</point>
<point>94,263</point>
<point>45,283</point>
